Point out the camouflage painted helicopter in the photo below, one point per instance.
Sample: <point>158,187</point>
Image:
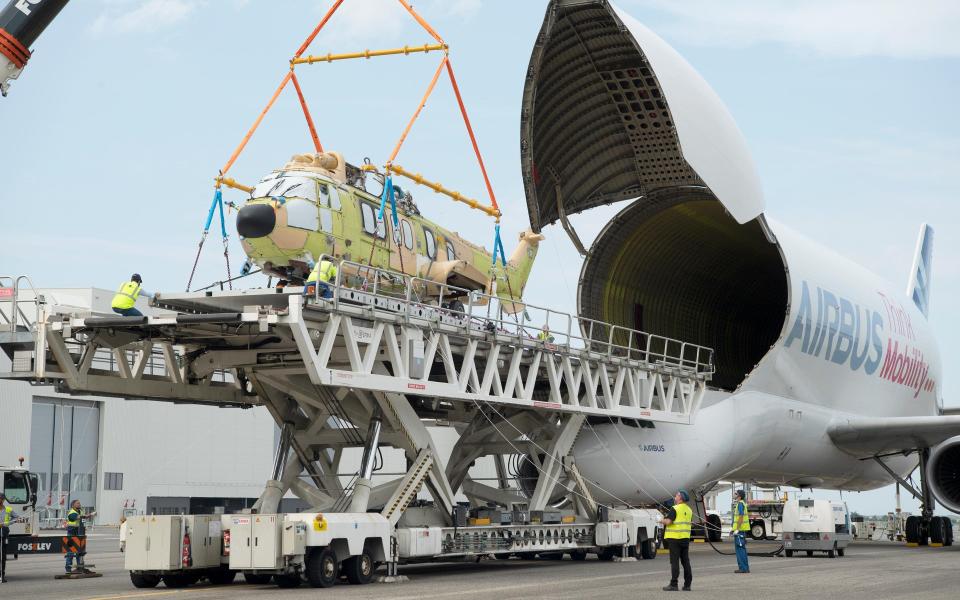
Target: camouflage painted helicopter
<point>319,205</point>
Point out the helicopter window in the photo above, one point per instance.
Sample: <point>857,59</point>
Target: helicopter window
<point>371,224</point>
<point>373,184</point>
<point>288,187</point>
<point>302,215</point>
<point>329,196</point>
<point>407,234</point>
<point>431,243</point>
<point>451,252</point>
<point>15,488</point>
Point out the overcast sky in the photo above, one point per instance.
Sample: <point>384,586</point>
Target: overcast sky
<point>129,108</point>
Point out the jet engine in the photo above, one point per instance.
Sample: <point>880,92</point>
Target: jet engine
<point>943,473</point>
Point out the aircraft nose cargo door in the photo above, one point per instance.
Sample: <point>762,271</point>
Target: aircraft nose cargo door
<point>611,113</point>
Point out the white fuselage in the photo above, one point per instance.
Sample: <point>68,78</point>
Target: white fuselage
<point>851,346</point>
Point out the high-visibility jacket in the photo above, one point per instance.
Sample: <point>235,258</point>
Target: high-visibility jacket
<point>7,516</point>
<point>324,271</point>
<point>73,518</point>
<point>126,297</point>
<point>745,526</point>
<point>679,529</point>
<point>544,336</point>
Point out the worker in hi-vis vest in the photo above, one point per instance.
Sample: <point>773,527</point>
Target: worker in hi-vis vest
<point>7,517</point>
<point>323,273</point>
<point>741,525</point>
<point>676,536</point>
<point>76,528</point>
<point>125,299</point>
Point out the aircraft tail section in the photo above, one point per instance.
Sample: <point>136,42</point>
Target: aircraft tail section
<point>918,288</point>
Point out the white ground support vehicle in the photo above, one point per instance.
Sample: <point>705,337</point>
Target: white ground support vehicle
<point>816,526</point>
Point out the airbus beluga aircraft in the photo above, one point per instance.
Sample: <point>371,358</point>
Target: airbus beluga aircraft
<point>826,375</point>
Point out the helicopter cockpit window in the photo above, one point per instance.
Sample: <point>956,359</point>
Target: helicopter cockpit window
<point>302,215</point>
<point>373,184</point>
<point>15,487</point>
<point>431,243</point>
<point>451,252</point>
<point>407,234</point>
<point>370,223</point>
<point>329,196</point>
<point>288,187</point>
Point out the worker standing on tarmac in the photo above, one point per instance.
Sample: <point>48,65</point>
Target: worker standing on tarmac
<point>323,273</point>
<point>6,517</point>
<point>125,299</point>
<point>741,525</point>
<point>677,538</point>
<point>76,528</point>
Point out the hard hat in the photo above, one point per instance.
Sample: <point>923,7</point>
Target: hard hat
<point>742,494</point>
<point>136,277</point>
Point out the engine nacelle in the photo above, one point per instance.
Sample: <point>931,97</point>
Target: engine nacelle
<point>943,473</point>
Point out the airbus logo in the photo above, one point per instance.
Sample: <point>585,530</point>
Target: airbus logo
<point>838,330</point>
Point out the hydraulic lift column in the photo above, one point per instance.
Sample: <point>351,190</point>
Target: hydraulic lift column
<point>361,491</point>
<point>21,23</point>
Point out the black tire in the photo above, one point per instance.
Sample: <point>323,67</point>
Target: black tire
<point>938,533</point>
<point>912,530</point>
<point>788,553</point>
<point>176,580</point>
<point>502,556</point>
<point>758,530</point>
<point>809,552</point>
<point>142,580</point>
<point>323,569</point>
<point>257,578</point>
<point>714,528</point>
<point>648,551</point>
<point>550,556</point>
<point>607,553</point>
<point>527,555</point>
<point>948,524</point>
<point>288,581</point>
<point>579,555</point>
<point>221,576</point>
<point>359,569</point>
<point>841,551</point>
<point>831,554</point>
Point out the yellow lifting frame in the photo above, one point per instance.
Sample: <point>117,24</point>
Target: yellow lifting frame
<point>307,60</point>
<point>438,188</point>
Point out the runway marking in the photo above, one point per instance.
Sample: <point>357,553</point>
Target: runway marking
<point>151,594</point>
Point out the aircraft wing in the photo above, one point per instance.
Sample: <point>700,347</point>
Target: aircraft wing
<point>870,436</point>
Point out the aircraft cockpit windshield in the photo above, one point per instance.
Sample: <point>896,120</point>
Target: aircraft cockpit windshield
<point>287,187</point>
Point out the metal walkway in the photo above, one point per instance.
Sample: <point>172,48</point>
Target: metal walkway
<point>384,348</point>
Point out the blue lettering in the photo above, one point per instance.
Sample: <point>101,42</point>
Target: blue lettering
<point>876,341</point>
<point>801,326</point>
<point>859,353</point>
<point>831,324</point>
<point>845,334</point>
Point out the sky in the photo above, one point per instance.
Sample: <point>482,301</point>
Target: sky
<point>128,109</point>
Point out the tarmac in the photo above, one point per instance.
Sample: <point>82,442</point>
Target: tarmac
<point>869,570</point>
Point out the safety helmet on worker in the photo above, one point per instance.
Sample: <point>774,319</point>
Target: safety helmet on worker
<point>136,277</point>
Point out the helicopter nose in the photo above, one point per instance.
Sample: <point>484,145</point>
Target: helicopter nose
<point>256,220</point>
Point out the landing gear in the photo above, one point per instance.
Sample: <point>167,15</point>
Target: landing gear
<point>923,529</point>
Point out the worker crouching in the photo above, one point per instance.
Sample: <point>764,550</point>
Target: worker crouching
<point>125,300</point>
<point>323,274</point>
<point>676,536</point>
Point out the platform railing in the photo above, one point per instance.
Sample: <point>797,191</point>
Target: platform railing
<point>473,309</point>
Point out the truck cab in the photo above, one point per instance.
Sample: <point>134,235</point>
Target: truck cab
<point>20,488</point>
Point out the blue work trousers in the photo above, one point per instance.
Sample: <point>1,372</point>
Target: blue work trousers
<point>310,289</point>
<point>740,543</point>
<point>128,312</point>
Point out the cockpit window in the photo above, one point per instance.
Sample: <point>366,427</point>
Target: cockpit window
<point>329,196</point>
<point>288,187</point>
<point>451,252</point>
<point>431,243</point>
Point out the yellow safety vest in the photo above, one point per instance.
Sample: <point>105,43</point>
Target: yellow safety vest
<point>73,518</point>
<point>544,336</point>
<point>7,515</point>
<point>325,271</point>
<point>745,526</point>
<point>126,297</point>
<point>680,528</point>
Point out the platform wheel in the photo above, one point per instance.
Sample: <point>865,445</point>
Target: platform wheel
<point>831,553</point>
<point>142,580</point>
<point>323,569</point>
<point>608,553</point>
<point>257,578</point>
<point>788,553</point>
<point>809,552</point>
<point>841,551</point>
<point>176,580</point>
<point>221,576</point>
<point>758,530</point>
<point>578,555</point>
<point>359,569</point>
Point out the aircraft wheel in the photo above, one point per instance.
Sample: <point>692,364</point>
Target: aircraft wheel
<point>359,569</point>
<point>938,533</point>
<point>913,530</point>
<point>142,580</point>
<point>948,524</point>
<point>323,569</point>
<point>714,528</point>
